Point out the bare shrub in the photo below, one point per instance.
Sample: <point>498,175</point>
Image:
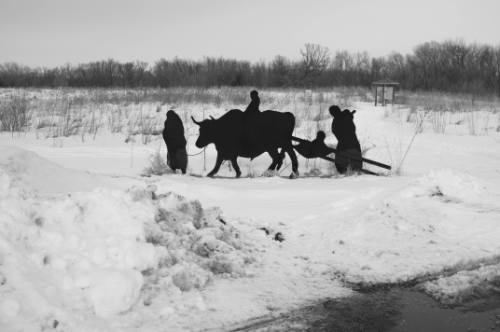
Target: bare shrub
<point>418,129</point>
<point>148,129</point>
<point>157,165</point>
<point>115,120</point>
<point>251,172</point>
<point>486,123</point>
<point>455,109</point>
<point>439,122</point>
<point>472,123</point>
<point>91,125</point>
<point>69,125</point>
<point>44,123</point>
<point>14,113</point>
<point>411,115</point>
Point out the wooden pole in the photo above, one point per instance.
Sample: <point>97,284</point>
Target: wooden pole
<point>362,170</point>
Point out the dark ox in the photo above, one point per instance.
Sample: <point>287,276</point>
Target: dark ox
<point>236,134</point>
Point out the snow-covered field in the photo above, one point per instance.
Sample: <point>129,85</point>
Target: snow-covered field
<point>87,243</point>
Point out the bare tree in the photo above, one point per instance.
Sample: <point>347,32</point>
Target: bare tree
<point>497,68</point>
<point>451,65</point>
<point>343,61</point>
<point>280,71</point>
<point>315,60</point>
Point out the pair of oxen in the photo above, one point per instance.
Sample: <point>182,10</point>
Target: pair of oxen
<point>240,134</point>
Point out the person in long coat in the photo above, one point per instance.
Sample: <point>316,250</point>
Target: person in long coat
<point>253,107</point>
<point>173,135</point>
<point>348,154</point>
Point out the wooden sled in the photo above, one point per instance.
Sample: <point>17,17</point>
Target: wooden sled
<point>309,150</point>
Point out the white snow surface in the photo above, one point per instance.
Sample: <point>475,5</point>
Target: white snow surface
<point>100,252</point>
<point>87,244</point>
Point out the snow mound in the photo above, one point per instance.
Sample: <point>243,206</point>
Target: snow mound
<point>200,246</point>
<point>433,225</point>
<point>68,258</point>
<point>30,172</point>
<point>448,183</point>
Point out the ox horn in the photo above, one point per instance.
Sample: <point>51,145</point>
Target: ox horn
<point>192,118</point>
<point>211,117</point>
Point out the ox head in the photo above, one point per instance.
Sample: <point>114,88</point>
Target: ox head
<point>207,132</point>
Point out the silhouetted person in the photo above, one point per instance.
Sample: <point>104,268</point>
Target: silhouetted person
<point>253,107</point>
<point>250,117</point>
<point>173,135</point>
<point>348,149</point>
<point>315,149</point>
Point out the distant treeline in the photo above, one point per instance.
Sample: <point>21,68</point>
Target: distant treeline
<point>446,66</point>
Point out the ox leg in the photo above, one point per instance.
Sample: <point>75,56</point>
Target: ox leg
<point>236,167</point>
<point>218,163</point>
<point>295,163</point>
<point>280,160</point>
<point>275,157</point>
<point>271,170</point>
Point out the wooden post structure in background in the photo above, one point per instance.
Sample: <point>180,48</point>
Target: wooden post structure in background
<point>390,85</point>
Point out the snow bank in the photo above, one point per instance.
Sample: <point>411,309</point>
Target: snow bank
<point>29,172</point>
<point>432,225</point>
<point>66,260</point>
<point>465,286</point>
<point>83,250</point>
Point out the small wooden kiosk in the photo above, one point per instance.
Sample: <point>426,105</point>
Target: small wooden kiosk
<point>384,92</point>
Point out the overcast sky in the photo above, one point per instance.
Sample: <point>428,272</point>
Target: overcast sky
<point>55,32</point>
